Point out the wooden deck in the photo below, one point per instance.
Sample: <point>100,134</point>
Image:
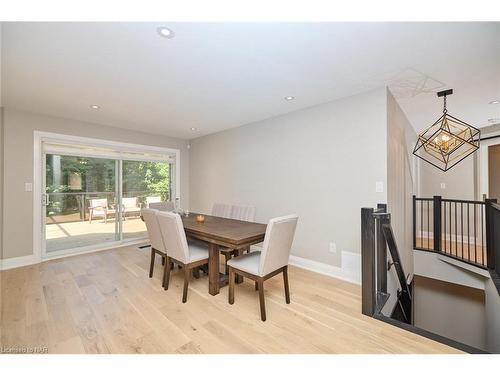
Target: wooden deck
<point>104,302</point>
<point>70,235</point>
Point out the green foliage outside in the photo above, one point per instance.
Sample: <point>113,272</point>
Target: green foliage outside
<point>71,174</point>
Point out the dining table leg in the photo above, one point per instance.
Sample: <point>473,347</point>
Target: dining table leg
<point>213,269</point>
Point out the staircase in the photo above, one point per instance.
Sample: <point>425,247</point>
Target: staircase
<point>455,242</point>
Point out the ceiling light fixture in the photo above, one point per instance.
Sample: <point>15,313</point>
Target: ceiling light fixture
<point>165,32</point>
<point>289,98</point>
<point>95,106</point>
<point>194,129</point>
<point>495,102</point>
<point>448,141</point>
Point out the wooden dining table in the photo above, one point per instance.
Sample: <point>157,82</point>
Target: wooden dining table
<point>220,232</point>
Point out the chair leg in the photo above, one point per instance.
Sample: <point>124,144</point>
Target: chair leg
<point>152,265</point>
<point>186,284</point>
<point>231,286</point>
<point>287,288</point>
<point>166,273</point>
<point>261,300</point>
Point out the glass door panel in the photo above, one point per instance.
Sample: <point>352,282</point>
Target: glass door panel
<point>143,182</point>
<point>80,202</point>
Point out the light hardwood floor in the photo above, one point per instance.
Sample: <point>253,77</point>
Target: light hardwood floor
<point>105,303</point>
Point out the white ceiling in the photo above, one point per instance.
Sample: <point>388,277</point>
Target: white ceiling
<point>215,76</point>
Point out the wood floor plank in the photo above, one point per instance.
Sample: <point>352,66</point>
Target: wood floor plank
<point>105,302</point>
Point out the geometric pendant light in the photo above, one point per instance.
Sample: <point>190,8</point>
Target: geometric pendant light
<point>448,141</point>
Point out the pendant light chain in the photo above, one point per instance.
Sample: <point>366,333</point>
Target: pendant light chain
<point>444,108</point>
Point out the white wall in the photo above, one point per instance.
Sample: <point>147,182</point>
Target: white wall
<point>321,163</point>
<point>1,185</point>
<point>19,128</point>
<point>459,181</point>
<point>450,310</point>
<point>401,185</point>
<point>492,317</point>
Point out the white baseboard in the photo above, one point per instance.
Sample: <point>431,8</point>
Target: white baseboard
<point>326,269</point>
<point>28,260</point>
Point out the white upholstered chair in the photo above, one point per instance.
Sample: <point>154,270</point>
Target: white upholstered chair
<point>222,210</point>
<point>154,199</point>
<point>244,213</point>
<point>154,234</point>
<point>272,260</point>
<point>178,251</point>
<point>162,206</point>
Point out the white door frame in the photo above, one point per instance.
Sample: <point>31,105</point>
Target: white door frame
<point>483,163</point>
<point>38,176</point>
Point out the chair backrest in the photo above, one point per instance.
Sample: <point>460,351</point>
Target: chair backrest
<point>99,203</point>
<point>244,213</point>
<point>153,228</point>
<point>129,202</point>
<point>162,206</point>
<point>150,200</point>
<point>174,237</point>
<point>222,210</point>
<point>277,243</point>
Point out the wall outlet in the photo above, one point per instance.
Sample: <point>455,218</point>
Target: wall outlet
<point>379,187</point>
<point>28,186</point>
<point>443,185</point>
<point>333,247</point>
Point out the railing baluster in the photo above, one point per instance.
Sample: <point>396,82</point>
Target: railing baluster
<point>451,227</point>
<point>482,236</point>
<point>456,231</point>
<point>475,235</point>
<point>468,231</point>
<point>422,223</point>
<point>428,228</point>
<point>444,227</point>
<point>462,226</point>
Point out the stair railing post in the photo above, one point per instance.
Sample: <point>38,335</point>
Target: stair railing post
<point>381,251</point>
<point>367,262</point>
<point>437,222</point>
<point>490,238</point>
<point>414,221</point>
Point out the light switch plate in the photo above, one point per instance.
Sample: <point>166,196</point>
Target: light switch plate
<point>443,185</point>
<point>379,187</point>
<point>28,186</point>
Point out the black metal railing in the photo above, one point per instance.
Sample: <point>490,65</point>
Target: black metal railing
<point>493,241</point>
<point>377,238</point>
<point>453,227</point>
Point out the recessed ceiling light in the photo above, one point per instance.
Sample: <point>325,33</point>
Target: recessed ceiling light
<point>494,120</point>
<point>495,102</point>
<point>289,98</point>
<point>94,106</point>
<point>165,32</point>
<point>194,129</point>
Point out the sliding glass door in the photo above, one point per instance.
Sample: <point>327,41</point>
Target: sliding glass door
<point>80,201</point>
<point>143,183</point>
<point>91,202</point>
